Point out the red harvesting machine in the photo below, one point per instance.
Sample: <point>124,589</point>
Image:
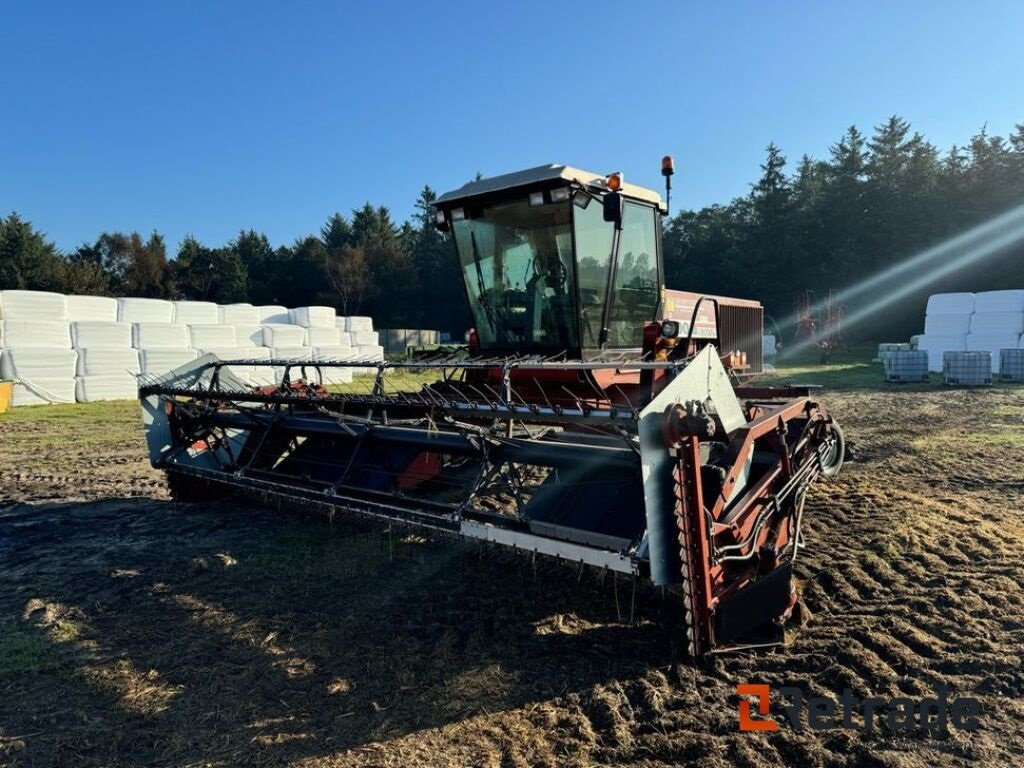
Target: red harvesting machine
<point>598,417</point>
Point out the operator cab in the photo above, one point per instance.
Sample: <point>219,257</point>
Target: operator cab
<point>557,260</point>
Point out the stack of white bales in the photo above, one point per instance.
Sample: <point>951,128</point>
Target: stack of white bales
<point>37,354</point>
<point>997,323</point>
<point>162,344</point>
<point>364,339</point>
<point>107,363</point>
<point>59,346</point>
<point>326,341</point>
<point>946,325</point>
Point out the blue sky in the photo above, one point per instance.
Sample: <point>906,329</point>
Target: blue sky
<point>205,117</point>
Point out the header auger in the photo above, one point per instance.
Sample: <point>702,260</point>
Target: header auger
<point>598,418</point>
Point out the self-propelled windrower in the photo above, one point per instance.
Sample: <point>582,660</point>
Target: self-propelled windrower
<point>598,417</point>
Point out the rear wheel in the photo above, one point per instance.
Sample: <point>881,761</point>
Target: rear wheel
<point>186,489</point>
<point>834,453</point>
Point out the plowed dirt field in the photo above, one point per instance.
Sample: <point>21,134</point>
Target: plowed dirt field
<point>134,631</point>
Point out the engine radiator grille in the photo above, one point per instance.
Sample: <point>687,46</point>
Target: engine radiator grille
<point>742,328</point>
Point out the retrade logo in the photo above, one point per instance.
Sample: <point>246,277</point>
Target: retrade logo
<point>934,714</point>
<point>747,723</point>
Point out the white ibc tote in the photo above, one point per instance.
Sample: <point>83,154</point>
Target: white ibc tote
<point>131,310</point>
<point>95,333</point>
<point>970,369</point>
<point>1011,364</point>
<point>91,308</point>
<point>33,305</point>
<point>905,365</point>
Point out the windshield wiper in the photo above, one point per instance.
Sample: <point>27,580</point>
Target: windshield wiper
<point>480,287</point>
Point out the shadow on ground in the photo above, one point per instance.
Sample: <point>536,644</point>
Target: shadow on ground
<point>163,633</point>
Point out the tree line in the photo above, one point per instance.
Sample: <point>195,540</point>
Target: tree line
<point>834,222</point>
<point>830,223</point>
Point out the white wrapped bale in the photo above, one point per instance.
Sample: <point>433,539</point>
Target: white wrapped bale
<point>947,325</point>
<point>243,372</point>
<point>370,353</point>
<point>249,335</point>
<point>161,360</point>
<point>96,333</point>
<point>131,310</point>
<point>290,353</point>
<point>356,323</point>
<point>999,301</point>
<point>98,361</point>
<point>279,336</point>
<point>997,323</point>
<point>992,342</point>
<point>196,312</point>
<point>36,334</point>
<point>40,376</point>
<point>950,304</point>
<point>935,346</point>
<point>205,336</point>
<point>365,338</point>
<point>112,386</point>
<point>41,363</point>
<point>272,314</point>
<point>43,391</point>
<point>312,317</point>
<point>160,336</point>
<point>262,375</point>
<point>224,353</point>
<point>256,353</point>
<point>91,309</point>
<point>324,337</point>
<point>239,314</point>
<point>33,305</point>
<point>328,374</point>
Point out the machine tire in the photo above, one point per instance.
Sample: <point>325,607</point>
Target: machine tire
<point>185,489</point>
<point>833,459</point>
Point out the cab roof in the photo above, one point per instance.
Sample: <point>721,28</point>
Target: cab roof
<point>543,174</point>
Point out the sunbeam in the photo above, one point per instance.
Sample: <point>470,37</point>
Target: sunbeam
<point>957,253</point>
